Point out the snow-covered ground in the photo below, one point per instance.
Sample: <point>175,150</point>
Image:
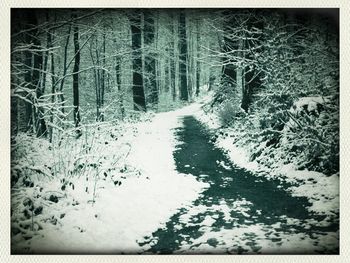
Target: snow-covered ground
<point>136,189</point>
<point>233,224</point>
<point>121,214</point>
<point>250,237</point>
<point>322,191</point>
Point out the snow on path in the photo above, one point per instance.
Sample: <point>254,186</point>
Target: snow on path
<point>123,215</point>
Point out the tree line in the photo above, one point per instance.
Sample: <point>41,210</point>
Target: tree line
<point>67,63</point>
<point>70,66</point>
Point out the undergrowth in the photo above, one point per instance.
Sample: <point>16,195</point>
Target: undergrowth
<point>279,129</point>
<point>49,178</point>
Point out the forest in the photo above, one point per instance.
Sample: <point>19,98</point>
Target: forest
<point>138,131</point>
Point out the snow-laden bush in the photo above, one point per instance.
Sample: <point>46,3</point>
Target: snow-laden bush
<point>227,104</point>
<point>228,111</point>
<point>311,137</point>
<point>305,134</point>
<point>49,178</point>
<point>224,93</point>
<point>30,157</point>
<point>281,130</point>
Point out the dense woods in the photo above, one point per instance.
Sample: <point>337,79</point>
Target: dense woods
<point>81,80</point>
<point>78,60</point>
<point>65,63</point>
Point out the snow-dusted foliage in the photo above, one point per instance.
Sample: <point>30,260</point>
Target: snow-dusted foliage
<point>49,179</point>
<point>99,193</point>
<point>291,128</point>
<point>293,114</point>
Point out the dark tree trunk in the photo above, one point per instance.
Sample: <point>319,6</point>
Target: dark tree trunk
<point>166,72</point>
<point>228,76</point>
<point>173,60</point>
<point>97,77</point>
<point>30,21</point>
<point>28,79</point>
<point>64,68</point>
<point>183,57</point>
<point>41,125</point>
<point>251,77</point>
<point>197,78</point>
<point>76,77</point>
<point>245,99</point>
<point>211,82</point>
<point>137,77</point>
<point>150,61</point>
<point>119,85</point>
<point>235,75</point>
<point>34,63</point>
<point>190,69</point>
<point>173,77</point>
<point>118,81</point>
<point>198,63</point>
<point>41,128</point>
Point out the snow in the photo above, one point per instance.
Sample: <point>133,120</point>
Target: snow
<point>248,237</point>
<point>122,214</point>
<point>136,190</point>
<point>310,103</point>
<point>322,191</point>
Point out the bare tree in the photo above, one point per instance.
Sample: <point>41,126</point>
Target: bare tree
<point>183,57</point>
<point>76,77</point>
<point>138,89</point>
<point>150,57</point>
<point>198,66</point>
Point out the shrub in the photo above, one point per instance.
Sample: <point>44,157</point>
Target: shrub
<point>228,112</point>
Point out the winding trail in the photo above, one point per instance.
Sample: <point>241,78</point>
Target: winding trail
<point>239,212</point>
<point>180,194</point>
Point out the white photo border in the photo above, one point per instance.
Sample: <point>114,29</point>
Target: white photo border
<point>6,5</point>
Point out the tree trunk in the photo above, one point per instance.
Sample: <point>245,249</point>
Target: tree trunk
<point>64,68</point>
<point>34,62</point>
<point>190,71</point>
<point>228,77</point>
<point>198,63</point>
<point>173,60</point>
<point>240,72</point>
<point>53,91</point>
<point>150,61</point>
<point>102,80</point>
<point>138,90</point>
<point>119,85</point>
<point>28,79</point>
<point>76,78</point>
<point>183,57</point>
<point>118,80</point>
<point>41,128</point>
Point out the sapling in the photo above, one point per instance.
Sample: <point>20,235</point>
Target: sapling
<point>95,184</point>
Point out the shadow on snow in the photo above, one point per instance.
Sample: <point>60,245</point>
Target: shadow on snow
<point>268,204</point>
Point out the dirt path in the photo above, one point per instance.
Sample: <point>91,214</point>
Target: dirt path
<point>239,212</point>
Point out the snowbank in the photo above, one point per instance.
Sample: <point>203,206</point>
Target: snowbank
<point>322,191</point>
<point>108,212</point>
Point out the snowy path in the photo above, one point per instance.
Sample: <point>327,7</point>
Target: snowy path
<point>188,198</point>
<point>239,212</point>
<point>124,214</point>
